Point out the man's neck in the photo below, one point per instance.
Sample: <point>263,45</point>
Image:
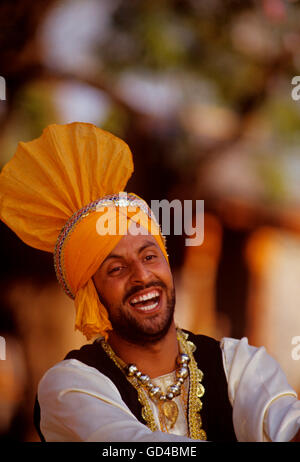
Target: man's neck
<point>154,359</point>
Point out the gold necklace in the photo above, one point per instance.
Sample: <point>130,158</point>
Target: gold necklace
<point>196,391</point>
<point>167,407</point>
<point>164,401</point>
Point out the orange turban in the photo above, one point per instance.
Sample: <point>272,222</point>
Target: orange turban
<point>55,191</point>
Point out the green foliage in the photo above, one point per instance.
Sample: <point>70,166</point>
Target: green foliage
<point>116,121</point>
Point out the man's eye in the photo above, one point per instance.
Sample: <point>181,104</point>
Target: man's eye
<point>150,257</point>
<point>115,269</point>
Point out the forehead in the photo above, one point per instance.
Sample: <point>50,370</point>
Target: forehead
<point>133,244</point>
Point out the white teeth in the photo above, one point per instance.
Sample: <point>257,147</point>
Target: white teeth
<point>143,298</point>
<point>148,307</point>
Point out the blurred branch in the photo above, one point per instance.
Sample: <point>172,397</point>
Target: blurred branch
<point>247,107</point>
<point>97,82</point>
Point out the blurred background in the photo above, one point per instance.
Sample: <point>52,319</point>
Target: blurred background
<point>202,93</point>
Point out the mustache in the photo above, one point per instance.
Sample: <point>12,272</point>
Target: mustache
<point>136,289</point>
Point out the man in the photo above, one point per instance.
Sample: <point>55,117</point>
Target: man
<point>142,379</point>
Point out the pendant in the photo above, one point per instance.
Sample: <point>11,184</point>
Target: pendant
<point>170,411</point>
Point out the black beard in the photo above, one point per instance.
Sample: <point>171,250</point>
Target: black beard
<point>132,330</point>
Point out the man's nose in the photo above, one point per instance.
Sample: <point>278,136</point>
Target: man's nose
<point>139,273</point>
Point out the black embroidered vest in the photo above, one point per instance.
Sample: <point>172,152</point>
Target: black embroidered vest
<point>216,412</point>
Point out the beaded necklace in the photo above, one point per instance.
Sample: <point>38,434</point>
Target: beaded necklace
<point>168,413</point>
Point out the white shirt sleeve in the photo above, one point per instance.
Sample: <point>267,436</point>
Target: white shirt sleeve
<point>78,403</point>
<point>265,406</point>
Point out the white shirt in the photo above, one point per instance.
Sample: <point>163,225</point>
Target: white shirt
<point>78,403</point>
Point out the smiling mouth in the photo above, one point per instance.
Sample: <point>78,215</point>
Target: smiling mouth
<point>146,302</point>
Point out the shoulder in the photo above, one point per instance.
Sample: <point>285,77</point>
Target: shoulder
<point>239,350</point>
<point>205,342</point>
<point>86,354</point>
<point>71,375</point>
<point>208,355</point>
<point>227,345</point>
